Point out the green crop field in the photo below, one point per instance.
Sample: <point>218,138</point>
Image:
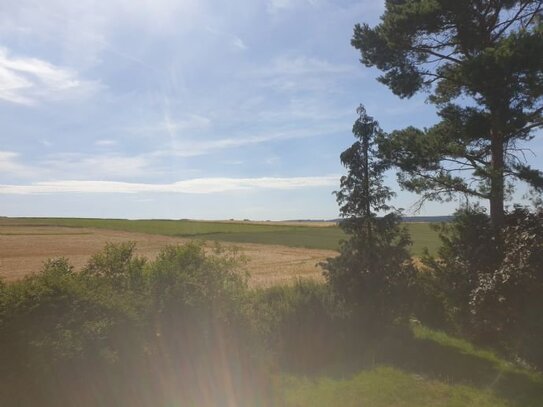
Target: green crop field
<point>311,237</point>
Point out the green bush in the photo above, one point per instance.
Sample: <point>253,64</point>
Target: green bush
<point>200,319</point>
<point>301,325</point>
<point>468,251</point>
<point>430,304</point>
<point>124,331</point>
<point>507,303</point>
<point>492,289</point>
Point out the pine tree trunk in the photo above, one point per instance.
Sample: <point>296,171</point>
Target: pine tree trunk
<point>497,184</point>
<point>366,148</point>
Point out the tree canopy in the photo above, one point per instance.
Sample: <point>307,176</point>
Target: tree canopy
<point>481,62</point>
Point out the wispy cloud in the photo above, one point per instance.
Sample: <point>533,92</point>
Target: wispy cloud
<point>303,65</point>
<point>301,73</point>
<point>191,148</point>
<point>169,125</point>
<point>276,6</point>
<point>238,43</point>
<point>104,166</point>
<point>192,186</point>
<point>105,143</point>
<point>80,29</point>
<point>29,81</point>
<point>10,164</point>
<point>232,39</point>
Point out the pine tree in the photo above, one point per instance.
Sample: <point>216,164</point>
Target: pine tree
<point>481,61</point>
<point>373,267</point>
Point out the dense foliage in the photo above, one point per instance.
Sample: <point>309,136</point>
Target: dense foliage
<point>125,331</point>
<point>493,292</point>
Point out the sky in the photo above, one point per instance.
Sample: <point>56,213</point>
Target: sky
<point>186,108</point>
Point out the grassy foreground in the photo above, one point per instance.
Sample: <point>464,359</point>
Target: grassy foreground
<point>383,387</point>
<point>433,369</point>
<point>310,237</point>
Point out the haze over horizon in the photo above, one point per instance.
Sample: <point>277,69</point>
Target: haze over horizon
<point>187,109</point>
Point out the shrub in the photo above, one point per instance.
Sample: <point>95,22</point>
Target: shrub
<point>300,324</point>
<point>468,251</point>
<point>129,332</point>
<point>116,264</point>
<point>430,304</point>
<point>507,302</point>
<point>57,333</point>
<point>493,290</point>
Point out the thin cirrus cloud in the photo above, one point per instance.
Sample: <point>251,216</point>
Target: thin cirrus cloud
<point>191,148</point>
<point>104,166</point>
<point>233,39</point>
<point>300,73</point>
<point>191,186</point>
<point>28,81</point>
<point>303,65</point>
<point>277,6</point>
<point>170,126</point>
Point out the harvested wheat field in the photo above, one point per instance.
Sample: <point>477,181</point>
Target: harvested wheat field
<point>23,249</point>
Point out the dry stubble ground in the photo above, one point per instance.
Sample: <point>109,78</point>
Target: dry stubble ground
<point>24,249</point>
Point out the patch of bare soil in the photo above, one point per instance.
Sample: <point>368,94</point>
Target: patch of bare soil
<point>23,250</point>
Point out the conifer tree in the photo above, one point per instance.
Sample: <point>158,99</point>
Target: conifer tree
<point>372,269</point>
<point>481,62</point>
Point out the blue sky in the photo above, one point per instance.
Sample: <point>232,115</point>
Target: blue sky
<point>185,108</point>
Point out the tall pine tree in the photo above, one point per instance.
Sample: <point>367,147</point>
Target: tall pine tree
<point>481,61</point>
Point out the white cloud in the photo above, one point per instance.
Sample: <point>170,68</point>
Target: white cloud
<point>169,125</point>
<point>9,164</point>
<point>80,166</point>
<point>301,73</point>
<point>29,81</point>
<point>191,148</point>
<point>107,166</point>
<point>105,143</point>
<point>302,65</point>
<point>80,29</point>
<point>238,43</point>
<point>276,6</point>
<point>192,186</point>
<point>233,39</point>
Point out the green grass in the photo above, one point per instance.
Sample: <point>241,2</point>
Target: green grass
<point>290,235</point>
<point>384,387</point>
<point>430,368</point>
<point>466,348</point>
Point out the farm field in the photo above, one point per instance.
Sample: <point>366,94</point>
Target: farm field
<point>292,234</point>
<point>277,252</point>
<point>23,249</point>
